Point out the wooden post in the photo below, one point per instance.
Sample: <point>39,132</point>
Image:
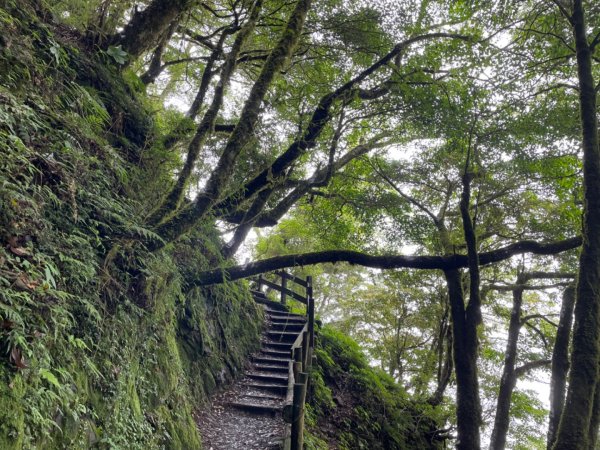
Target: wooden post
<point>305,343</point>
<point>297,362</point>
<point>311,311</point>
<point>298,417</point>
<point>260,282</point>
<point>284,287</point>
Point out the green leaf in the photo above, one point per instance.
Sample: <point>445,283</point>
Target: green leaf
<point>50,378</point>
<point>117,54</point>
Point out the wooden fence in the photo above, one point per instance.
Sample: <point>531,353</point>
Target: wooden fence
<point>301,357</point>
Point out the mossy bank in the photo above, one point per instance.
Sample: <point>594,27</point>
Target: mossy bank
<point>103,344</point>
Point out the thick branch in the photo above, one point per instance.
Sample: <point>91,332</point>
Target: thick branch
<point>319,178</point>
<point>528,367</point>
<point>382,261</point>
<point>320,117</point>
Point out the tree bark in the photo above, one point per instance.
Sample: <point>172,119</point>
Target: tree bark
<point>574,428</point>
<point>468,407</point>
<point>174,198</point>
<point>184,220</point>
<point>560,363</point>
<point>468,404</point>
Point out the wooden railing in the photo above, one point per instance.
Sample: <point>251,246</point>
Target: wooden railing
<point>301,357</point>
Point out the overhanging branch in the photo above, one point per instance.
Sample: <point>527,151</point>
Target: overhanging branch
<point>382,261</point>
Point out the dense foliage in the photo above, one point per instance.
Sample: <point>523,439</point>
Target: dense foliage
<point>142,143</point>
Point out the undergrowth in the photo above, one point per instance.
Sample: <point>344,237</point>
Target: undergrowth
<point>355,406</point>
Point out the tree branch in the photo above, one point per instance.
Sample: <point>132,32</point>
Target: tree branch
<point>528,367</point>
<point>382,261</point>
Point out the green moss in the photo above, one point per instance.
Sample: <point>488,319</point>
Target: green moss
<point>120,351</point>
<point>12,415</point>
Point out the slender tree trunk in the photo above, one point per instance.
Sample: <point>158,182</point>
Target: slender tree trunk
<point>574,428</point>
<point>509,377</point>
<point>560,363</point>
<point>146,28</point>
<point>184,220</point>
<point>446,365</point>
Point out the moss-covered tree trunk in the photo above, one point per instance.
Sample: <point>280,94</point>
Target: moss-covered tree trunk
<point>146,28</point>
<point>184,220</point>
<point>574,428</point>
<point>174,198</point>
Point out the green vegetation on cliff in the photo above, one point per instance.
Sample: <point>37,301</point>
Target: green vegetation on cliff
<point>355,406</point>
<point>102,343</point>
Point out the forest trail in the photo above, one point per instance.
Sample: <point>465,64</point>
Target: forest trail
<point>249,414</point>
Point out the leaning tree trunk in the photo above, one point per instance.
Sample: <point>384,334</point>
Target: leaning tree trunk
<point>574,426</point>
<point>184,220</point>
<point>509,376</point>
<point>560,364</point>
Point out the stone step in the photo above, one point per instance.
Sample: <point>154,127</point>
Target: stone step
<point>269,378</point>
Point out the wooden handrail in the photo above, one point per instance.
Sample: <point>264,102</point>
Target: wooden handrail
<point>287,291</point>
<point>295,279</point>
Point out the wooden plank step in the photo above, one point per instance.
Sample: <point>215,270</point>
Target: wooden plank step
<point>257,408</point>
<point>283,313</point>
<point>268,387</point>
<point>270,305</point>
<point>282,336</point>
<point>262,397</point>
<point>282,362</point>
<point>259,294</point>
<point>271,368</point>
<point>276,353</point>
<point>269,378</point>
<point>286,326</point>
<point>274,345</point>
